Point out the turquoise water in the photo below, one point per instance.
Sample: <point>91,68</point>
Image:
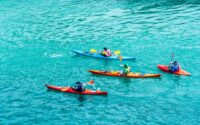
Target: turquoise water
<point>35,42</point>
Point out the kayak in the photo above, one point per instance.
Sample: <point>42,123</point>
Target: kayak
<point>179,72</point>
<point>118,74</point>
<point>70,90</point>
<point>99,56</point>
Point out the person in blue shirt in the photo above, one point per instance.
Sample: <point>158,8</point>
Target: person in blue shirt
<point>79,87</point>
<point>174,67</point>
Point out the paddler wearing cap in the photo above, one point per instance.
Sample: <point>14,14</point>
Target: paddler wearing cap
<point>79,87</point>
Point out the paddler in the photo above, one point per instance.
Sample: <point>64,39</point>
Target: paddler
<point>106,52</point>
<point>79,87</point>
<point>174,67</point>
<point>127,69</point>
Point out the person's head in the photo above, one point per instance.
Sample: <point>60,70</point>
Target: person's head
<point>175,62</point>
<point>105,48</point>
<point>78,82</point>
<point>125,66</point>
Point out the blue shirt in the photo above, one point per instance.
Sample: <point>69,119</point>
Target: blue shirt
<point>175,68</point>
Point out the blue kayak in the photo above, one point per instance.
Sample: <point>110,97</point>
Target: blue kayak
<point>97,55</point>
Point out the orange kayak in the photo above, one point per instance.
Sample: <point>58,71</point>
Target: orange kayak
<point>70,90</point>
<point>118,74</point>
<point>179,72</point>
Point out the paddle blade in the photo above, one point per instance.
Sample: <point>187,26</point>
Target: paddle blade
<point>120,58</point>
<point>91,82</point>
<point>93,50</point>
<point>117,52</point>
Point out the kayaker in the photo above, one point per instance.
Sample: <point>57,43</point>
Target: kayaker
<point>106,52</point>
<point>174,67</point>
<point>79,87</point>
<point>126,70</point>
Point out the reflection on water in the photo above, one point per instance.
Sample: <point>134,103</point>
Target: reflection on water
<point>127,80</point>
<point>177,80</point>
<point>81,98</point>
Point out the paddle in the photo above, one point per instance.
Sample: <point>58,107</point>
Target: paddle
<point>172,57</point>
<point>120,58</point>
<point>117,52</point>
<point>91,82</point>
<point>93,50</point>
<point>170,64</point>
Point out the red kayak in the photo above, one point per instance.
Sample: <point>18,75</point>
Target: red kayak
<point>179,72</point>
<point>70,90</point>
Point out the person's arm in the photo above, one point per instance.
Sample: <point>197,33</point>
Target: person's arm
<point>122,65</point>
<point>74,88</point>
<point>170,64</point>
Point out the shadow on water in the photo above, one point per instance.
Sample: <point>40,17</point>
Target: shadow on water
<point>83,98</point>
<point>126,80</point>
<point>79,97</point>
<point>102,59</point>
<point>177,80</point>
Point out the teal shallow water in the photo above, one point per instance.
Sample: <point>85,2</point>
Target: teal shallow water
<point>35,42</point>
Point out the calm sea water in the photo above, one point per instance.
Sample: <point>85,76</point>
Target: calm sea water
<point>36,37</point>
